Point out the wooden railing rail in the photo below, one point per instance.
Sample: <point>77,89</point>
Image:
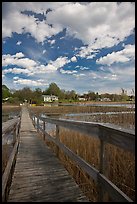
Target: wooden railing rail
<point>106,133</point>
<point>11,125</point>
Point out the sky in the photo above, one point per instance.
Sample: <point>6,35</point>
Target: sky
<point>81,46</point>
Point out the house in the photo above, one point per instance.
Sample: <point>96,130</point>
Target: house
<point>105,99</point>
<point>82,99</point>
<point>49,98</point>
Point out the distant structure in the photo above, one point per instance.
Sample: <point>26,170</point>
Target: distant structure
<point>50,98</point>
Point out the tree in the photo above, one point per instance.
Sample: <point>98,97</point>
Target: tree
<point>5,92</point>
<point>37,96</point>
<point>124,96</point>
<point>25,94</point>
<point>53,90</point>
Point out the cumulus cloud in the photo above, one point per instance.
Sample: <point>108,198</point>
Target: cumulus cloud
<point>74,59</point>
<point>30,67</point>
<point>18,43</point>
<point>125,55</point>
<point>87,52</point>
<point>29,82</point>
<point>101,24</point>
<point>51,42</point>
<point>44,51</point>
<point>18,60</point>
<point>21,23</point>
<point>68,71</point>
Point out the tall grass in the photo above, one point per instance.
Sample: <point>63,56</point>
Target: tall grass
<point>119,164</point>
<point>77,109</point>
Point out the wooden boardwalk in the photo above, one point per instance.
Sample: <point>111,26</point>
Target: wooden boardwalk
<point>39,176</point>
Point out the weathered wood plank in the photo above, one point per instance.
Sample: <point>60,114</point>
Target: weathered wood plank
<point>106,133</point>
<point>39,175</point>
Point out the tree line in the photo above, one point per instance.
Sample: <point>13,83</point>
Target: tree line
<point>36,96</point>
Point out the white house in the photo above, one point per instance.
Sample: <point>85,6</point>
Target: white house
<point>50,98</point>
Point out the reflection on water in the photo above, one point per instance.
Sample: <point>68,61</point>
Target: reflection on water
<point>7,139</point>
<point>125,119</point>
<point>131,105</point>
<point>9,116</point>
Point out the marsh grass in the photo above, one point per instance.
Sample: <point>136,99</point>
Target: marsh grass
<point>120,164</point>
<point>77,109</point>
<point>8,111</point>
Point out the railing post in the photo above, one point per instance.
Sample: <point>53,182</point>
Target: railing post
<point>33,118</point>
<point>101,166</point>
<point>43,130</point>
<point>57,138</point>
<point>14,135</point>
<point>37,124</point>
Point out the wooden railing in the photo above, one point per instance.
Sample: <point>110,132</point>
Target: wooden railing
<point>11,126</point>
<point>106,133</point>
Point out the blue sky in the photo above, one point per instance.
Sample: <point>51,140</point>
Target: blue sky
<point>82,46</point>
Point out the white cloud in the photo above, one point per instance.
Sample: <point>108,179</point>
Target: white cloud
<point>20,23</point>
<point>18,60</point>
<point>43,51</point>
<point>74,59</point>
<point>30,67</point>
<point>17,71</point>
<point>87,51</point>
<point>79,76</point>
<point>19,55</point>
<point>29,82</point>
<point>18,43</point>
<point>68,71</point>
<point>15,78</point>
<point>101,24</point>
<point>125,55</point>
<point>51,42</point>
<point>84,68</point>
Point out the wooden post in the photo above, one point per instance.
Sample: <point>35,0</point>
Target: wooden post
<point>37,124</point>
<point>44,130</point>
<point>14,134</point>
<point>57,138</point>
<point>101,168</point>
<point>34,121</point>
<point>102,156</point>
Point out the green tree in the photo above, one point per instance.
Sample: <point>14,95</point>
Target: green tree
<point>53,90</point>
<point>5,92</point>
<point>124,96</point>
<point>24,94</point>
<point>37,96</point>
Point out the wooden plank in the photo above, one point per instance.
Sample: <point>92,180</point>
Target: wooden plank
<point>89,169</point>
<point>39,175</point>
<point>115,192</point>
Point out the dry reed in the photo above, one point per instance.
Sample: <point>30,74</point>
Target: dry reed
<point>120,165</point>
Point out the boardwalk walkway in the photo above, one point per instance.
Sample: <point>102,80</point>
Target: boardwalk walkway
<point>39,176</point>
